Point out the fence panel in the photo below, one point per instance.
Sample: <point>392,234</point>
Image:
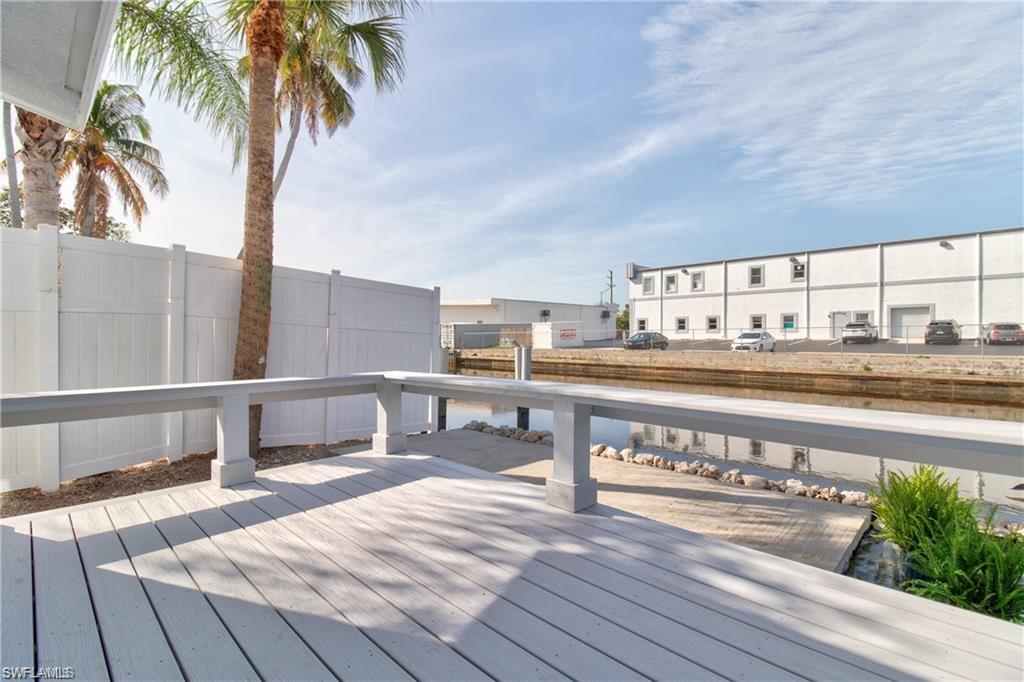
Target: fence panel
<point>130,315</point>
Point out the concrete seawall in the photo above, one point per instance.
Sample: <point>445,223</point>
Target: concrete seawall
<point>979,381</point>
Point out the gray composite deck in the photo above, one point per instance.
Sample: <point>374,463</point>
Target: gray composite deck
<point>396,567</point>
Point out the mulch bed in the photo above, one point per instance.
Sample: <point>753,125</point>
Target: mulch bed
<point>150,476</point>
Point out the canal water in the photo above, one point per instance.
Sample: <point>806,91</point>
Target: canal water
<point>775,460</point>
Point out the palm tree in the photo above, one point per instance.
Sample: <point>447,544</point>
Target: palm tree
<point>42,152</point>
<point>320,67</point>
<point>304,33</point>
<point>175,46</point>
<point>109,154</point>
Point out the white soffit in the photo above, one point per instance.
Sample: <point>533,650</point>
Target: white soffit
<point>52,55</point>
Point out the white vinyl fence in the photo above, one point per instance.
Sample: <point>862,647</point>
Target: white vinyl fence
<point>78,313</point>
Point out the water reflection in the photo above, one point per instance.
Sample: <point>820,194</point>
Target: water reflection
<point>815,466</point>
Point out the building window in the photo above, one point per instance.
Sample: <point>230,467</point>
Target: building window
<point>862,317</point>
<point>682,324</point>
<point>789,322</point>
<point>712,323</point>
<point>801,458</point>
<point>696,281</point>
<point>757,450</point>
<point>799,271</point>
<point>648,286</point>
<point>671,284</point>
<point>671,437</point>
<point>649,432</point>
<point>757,321</point>
<point>697,439</point>
<point>641,325</point>
<point>755,276</point>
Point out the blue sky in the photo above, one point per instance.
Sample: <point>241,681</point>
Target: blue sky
<point>533,147</point>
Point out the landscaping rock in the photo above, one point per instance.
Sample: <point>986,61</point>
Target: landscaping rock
<point>596,450</point>
<point>752,481</point>
<point>547,440</point>
<point>611,453</point>
<point>533,437</point>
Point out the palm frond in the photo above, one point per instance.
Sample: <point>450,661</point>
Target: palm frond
<point>175,45</point>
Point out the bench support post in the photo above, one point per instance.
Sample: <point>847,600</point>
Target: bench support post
<point>390,436</point>
<point>570,487</point>
<point>233,464</point>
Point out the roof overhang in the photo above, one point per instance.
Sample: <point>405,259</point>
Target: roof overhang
<point>52,55</point>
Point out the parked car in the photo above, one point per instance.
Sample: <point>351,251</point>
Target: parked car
<point>646,341</point>
<point>756,341</point>
<point>1004,332</point>
<point>860,332</point>
<point>942,331</point>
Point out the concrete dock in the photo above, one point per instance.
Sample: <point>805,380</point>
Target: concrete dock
<point>812,532</point>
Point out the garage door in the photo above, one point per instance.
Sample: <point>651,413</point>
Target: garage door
<point>909,321</point>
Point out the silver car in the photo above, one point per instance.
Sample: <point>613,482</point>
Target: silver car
<point>756,341</point>
<point>860,332</point>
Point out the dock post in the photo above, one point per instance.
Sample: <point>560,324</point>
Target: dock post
<point>390,435</point>
<point>523,371</point>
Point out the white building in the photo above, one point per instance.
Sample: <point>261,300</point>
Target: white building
<point>975,278</point>
<point>598,320</point>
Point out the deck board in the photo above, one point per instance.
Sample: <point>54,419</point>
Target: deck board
<point>537,619</point>
<point>16,620</point>
<point>270,644</point>
<point>135,645</point>
<point>630,602</point>
<point>809,613</point>
<point>66,630</point>
<point>202,644</point>
<point>366,566</point>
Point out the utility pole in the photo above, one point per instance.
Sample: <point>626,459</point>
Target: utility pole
<point>611,287</point>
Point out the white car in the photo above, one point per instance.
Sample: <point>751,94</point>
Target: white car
<point>756,341</point>
<point>860,332</point>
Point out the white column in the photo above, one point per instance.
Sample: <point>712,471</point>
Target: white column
<point>233,464</point>
<point>725,300</point>
<point>807,295</point>
<point>49,352</point>
<point>390,436</point>
<point>438,358</point>
<point>570,487</point>
<point>333,367</point>
<point>881,296</point>
<point>176,347</point>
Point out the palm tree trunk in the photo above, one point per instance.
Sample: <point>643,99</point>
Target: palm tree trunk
<point>12,169</point>
<point>264,34</point>
<point>296,125</point>
<point>100,208</point>
<point>42,147</point>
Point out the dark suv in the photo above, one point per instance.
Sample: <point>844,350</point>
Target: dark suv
<point>942,331</point>
<point>646,341</point>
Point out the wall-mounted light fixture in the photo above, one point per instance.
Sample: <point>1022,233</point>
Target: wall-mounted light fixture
<point>685,271</point>
<point>946,245</point>
<point>793,259</point>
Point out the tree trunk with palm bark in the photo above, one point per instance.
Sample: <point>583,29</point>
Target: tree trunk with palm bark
<point>264,34</point>
<point>42,150</point>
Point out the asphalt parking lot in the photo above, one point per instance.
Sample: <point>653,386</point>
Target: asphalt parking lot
<point>966,347</point>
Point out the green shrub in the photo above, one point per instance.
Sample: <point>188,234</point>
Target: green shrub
<point>919,507</point>
<point>974,570</point>
<point>865,367</point>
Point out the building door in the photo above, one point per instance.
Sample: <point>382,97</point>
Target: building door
<point>839,320</point>
<point>909,321</point>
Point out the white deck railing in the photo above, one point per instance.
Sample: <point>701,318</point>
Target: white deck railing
<point>983,445</point>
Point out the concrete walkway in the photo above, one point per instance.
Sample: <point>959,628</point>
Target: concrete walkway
<point>821,534</point>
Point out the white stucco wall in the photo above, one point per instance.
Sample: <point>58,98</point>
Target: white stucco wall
<point>515,311</point>
<point>973,278</point>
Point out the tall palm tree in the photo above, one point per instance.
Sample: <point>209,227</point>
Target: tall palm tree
<point>111,155</point>
<point>176,47</point>
<point>269,32</point>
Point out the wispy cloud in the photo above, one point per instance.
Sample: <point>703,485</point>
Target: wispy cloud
<point>844,102</point>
